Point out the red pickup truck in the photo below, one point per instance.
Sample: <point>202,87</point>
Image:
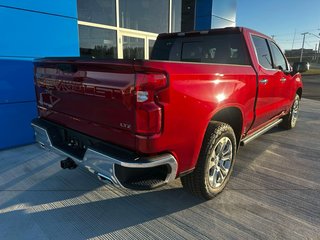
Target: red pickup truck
<point>142,123</point>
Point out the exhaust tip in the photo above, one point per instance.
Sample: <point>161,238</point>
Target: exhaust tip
<point>68,163</point>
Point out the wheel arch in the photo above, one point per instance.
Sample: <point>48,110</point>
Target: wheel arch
<point>232,116</point>
<point>299,92</point>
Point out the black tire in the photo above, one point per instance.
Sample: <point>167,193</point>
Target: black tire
<point>200,182</point>
<point>290,120</point>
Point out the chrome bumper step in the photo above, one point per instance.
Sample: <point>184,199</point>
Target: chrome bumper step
<point>108,168</point>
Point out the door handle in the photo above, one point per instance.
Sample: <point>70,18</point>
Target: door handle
<point>264,81</point>
<point>283,79</point>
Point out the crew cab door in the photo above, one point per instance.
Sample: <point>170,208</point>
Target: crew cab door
<point>285,84</point>
<point>271,100</point>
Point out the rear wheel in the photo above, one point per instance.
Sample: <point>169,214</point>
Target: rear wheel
<point>215,162</point>
<point>290,120</point>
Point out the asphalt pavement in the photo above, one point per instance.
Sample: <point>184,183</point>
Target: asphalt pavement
<point>311,87</point>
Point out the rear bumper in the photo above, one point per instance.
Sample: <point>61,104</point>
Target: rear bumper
<point>109,163</point>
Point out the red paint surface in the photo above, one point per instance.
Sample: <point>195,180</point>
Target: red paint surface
<point>98,98</point>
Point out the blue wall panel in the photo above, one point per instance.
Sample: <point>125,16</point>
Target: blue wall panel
<point>15,124</point>
<point>203,23</point>
<point>30,34</point>
<point>16,81</point>
<point>66,8</point>
<point>29,29</point>
<point>204,8</point>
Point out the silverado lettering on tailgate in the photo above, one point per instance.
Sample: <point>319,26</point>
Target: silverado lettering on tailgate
<point>89,89</point>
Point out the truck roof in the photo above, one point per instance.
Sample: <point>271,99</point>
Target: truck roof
<point>212,31</point>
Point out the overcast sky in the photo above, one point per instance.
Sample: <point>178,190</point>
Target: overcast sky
<point>282,18</point>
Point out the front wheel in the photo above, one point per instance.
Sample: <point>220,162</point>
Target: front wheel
<point>215,162</point>
<point>290,120</point>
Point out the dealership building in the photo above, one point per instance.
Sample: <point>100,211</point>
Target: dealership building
<point>123,29</point>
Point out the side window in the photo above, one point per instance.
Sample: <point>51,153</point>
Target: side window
<point>279,61</point>
<point>262,51</point>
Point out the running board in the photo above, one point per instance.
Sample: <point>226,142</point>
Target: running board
<point>260,132</point>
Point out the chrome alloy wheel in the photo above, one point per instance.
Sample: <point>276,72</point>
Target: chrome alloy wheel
<point>295,111</point>
<point>220,162</point>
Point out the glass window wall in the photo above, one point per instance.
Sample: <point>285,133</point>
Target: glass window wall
<point>97,11</point>
<point>98,42</point>
<point>225,9</point>
<point>151,44</point>
<point>133,48</point>
<point>145,15</point>
<point>139,23</point>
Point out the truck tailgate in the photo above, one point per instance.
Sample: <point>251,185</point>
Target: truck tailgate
<point>95,98</point>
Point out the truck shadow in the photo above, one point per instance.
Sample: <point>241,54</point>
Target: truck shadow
<point>103,216</point>
<point>37,192</point>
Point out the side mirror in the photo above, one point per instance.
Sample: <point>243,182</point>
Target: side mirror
<point>300,67</point>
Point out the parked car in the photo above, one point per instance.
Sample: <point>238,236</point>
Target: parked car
<point>142,123</point>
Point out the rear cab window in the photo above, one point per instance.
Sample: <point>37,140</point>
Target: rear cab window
<point>224,48</point>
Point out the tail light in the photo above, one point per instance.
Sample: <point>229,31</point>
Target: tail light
<point>148,110</point>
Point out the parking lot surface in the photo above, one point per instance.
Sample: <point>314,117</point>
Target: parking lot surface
<point>311,87</point>
<point>274,193</point>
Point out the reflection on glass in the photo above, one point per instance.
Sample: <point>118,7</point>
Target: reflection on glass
<point>151,44</point>
<point>263,52</point>
<point>97,11</point>
<point>97,42</point>
<point>278,59</point>
<point>176,15</point>
<point>133,48</point>
<point>145,15</point>
<point>221,23</point>
<point>225,9</point>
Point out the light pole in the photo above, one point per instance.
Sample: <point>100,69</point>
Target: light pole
<point>304,37</point>
<point>317,51</point>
